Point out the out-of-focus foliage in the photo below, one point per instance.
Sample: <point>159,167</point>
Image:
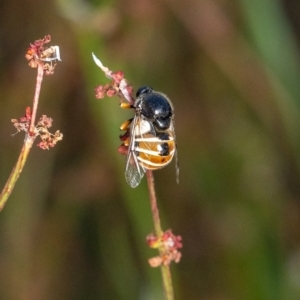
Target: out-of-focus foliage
<point>73,229</point>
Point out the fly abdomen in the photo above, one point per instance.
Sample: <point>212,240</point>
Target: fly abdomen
<point>163,149</point>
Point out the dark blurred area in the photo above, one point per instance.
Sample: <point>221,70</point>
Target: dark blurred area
<point>73,228</point>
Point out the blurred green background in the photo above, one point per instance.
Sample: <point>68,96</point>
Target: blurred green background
<point>73,229</point>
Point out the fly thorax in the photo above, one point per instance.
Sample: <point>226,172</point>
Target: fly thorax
<point>143,127</point>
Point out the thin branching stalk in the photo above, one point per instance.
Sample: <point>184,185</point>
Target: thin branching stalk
<point>44,59</point>
<point>165,270</point>
<point>166,242</point>
<point>39,80</point>
<point>29,139</point>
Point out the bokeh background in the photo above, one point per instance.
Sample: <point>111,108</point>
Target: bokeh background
<point>73,228</point>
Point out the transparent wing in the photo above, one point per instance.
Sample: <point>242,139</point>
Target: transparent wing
<point>134,172</point>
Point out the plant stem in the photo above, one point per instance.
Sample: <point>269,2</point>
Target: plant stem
<point>165,270</point>
<point>29,139</point>
<point>16,171</point>
<point>39,79</point>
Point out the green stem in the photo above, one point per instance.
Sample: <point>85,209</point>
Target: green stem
<point>165,270</point>
<point>16,171</point>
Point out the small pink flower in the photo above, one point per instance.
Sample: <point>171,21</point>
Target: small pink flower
<point>43,145</point>
<point>48,139</point>
<point>168,244</point>
<point>171,241</point>
<point>45,121</point>
<point>111,92</point>
<point>35,50</point>
<point>100,92</point>
<point>118,86</point>
<point>155,261</point>
<point>123,149</point>
<point>37,55</point>
<point>117,76</point>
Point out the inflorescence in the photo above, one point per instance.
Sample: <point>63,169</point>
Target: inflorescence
<point>168,244</point>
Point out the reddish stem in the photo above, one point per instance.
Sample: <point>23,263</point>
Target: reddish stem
<point>165,270</point>
<point>39,79</point>
<point>153,203</point>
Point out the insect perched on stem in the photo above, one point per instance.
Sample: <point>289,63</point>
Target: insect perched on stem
<point>150,135</point>
<point>149,138</point>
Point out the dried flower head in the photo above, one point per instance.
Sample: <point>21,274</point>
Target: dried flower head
<point>24,123</point>
<point>168,244</point>
<point>41,129</point>
<point>48,139</point>
<point>38,54</point>
<point>118,86</point>
<point>121,88</point>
